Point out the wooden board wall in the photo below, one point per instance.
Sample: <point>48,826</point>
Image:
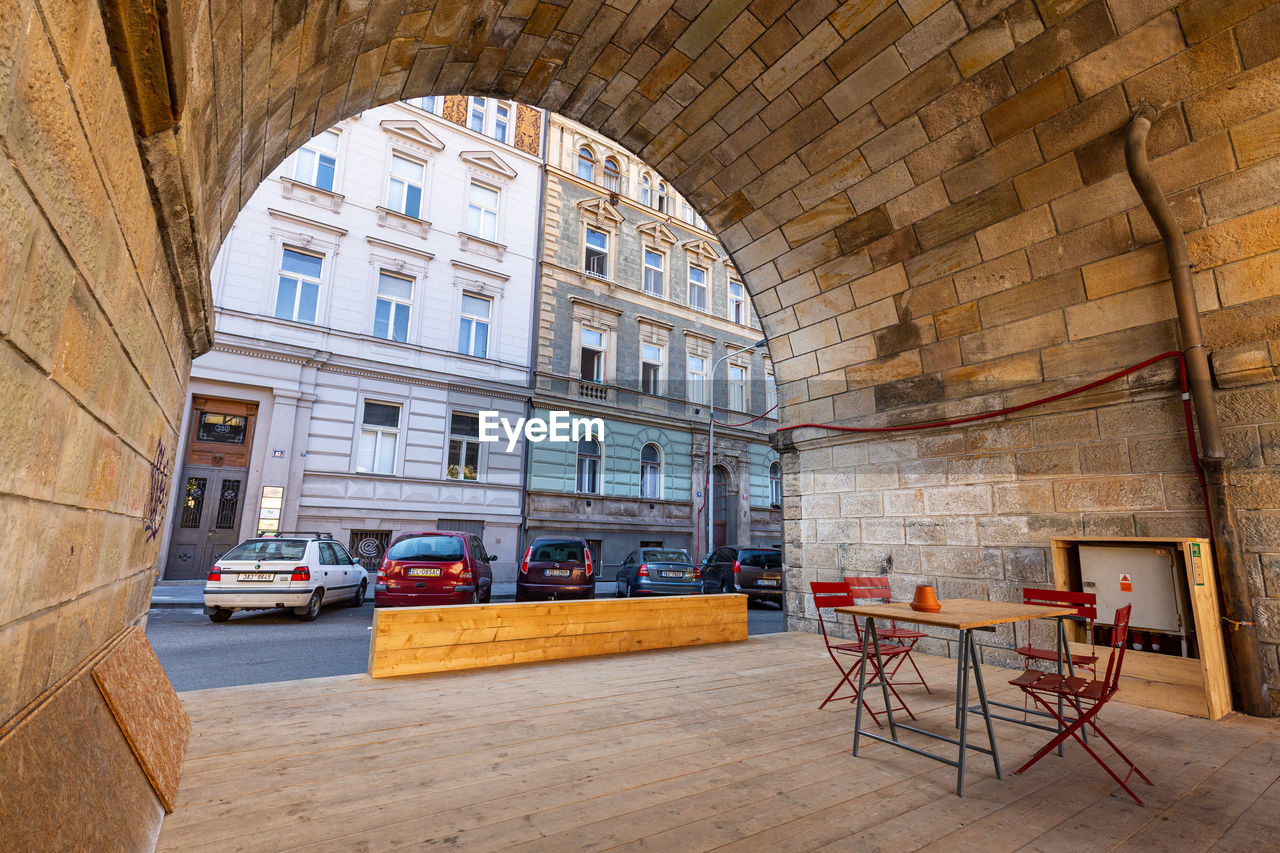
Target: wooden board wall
<point>1184,685</point>
<point>413,640</point>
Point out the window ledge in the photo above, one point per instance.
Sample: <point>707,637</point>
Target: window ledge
<point>481,246</point>
<point>403,222</point>
<point>302,191</point>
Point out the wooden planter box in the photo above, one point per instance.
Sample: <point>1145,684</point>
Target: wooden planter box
<point>413,640</point>
<point>1198,687</point>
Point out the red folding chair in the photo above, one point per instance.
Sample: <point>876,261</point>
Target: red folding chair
<point>877,588</point>
<point>827,595</point>
<point>1086,698</point>
<point>1086,606</point>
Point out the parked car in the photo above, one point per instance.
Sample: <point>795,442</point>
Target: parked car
<point>556,567</point>
<point>757,572</point>
<point>434,567</point>
<point>300,570</point>
<point>658,571</point>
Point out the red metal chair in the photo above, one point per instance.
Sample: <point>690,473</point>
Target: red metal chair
<point>1086,606</point>
<point>877,588</point>
<point>1086,697</point>
<point>827,595</point>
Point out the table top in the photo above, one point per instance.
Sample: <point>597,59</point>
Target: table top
<point>959,613</point>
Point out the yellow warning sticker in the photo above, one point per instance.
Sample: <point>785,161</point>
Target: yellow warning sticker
<point>1126,583</point>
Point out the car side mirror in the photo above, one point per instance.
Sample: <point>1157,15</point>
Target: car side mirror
<point>492,557</point>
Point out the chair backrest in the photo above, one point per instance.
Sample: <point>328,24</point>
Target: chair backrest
<point>1119,640</point>
<point>1085,603</point>
<point>828,594</point>
<point>869,587</point>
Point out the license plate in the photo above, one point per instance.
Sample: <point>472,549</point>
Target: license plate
<point>556,573</point>
<point>256,576</point>
<point>766,583</point>
<point>424,573</point>
<point>671,575</point>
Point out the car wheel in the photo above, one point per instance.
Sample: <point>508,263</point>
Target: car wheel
<point>221,614</point>
<point>358,600</point>
<point>312,610</point>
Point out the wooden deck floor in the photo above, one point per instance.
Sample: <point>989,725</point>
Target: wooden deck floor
<point>707,748</point>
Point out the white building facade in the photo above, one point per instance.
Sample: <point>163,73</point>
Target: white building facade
<point>373,297</point>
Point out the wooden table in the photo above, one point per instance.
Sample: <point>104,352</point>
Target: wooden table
<point>961,614</point>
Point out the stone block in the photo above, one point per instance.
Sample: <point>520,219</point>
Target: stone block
<point>867,319</point>
<point>1027,530</point>
<point>911,335</point>
<point>1109,525</point>
<point>915,391</point>
<point>1126,271</point>
<point>1048,462</point>
<point>1075,126</point>
<point>967,101</point>
<point>988,468</point>
<point>857,231</point>
<point>1172,524</point>
<point>1243,191</point>
<point>924,300</point>
<point>1182,491</point>
<point>895,143</point>
<point>922,472</point>
<point>883,531</point>
<point>1025,498</point>
<point>1021,336</point>
<point>881,186</point>
<point>994,276</point>
<point>962,530</point>
<point>864,84</point>
<point>880,476</point>
<point>874,288</point>
<point>837,530</point>
<point>1108,494</point>
<point>893,249</point>
<point>932,35</point>
<point>1260,405</point>
<point>927,531</point>
<point>982,46</point>
<point>1243,237</point>
<point>1259,37</point>
<point>1125,310</point>
<point>1048,181</point>
<point>967,216</point>
<point>1064,41</point>
<point>1248,364</point>
<point>1029,107</point>
<point>958,321</point>
<point>1008,159</point>
<point>961,562</point>
<point>1187,73</point>
<point>824,305</point>
<point>942,261</point>
<point>861,504</point>
<point>1201,19</point>
<point>1128,55</point>
<point>845,353</point>
<point>921,86</point>
<point>1078,248</point>
<point>1000,436</point>
<point>1016,232</point>
<point>1257,139</point>
<point>956,146</point>
<point>958,500</point>
<point>1037,297</point>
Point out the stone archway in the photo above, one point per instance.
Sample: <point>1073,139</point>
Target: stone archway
<point>927,199</point>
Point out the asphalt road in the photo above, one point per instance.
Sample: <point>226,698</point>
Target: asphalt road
<point>271,645</point>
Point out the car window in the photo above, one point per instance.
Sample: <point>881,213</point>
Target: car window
<point>427,548</point>
<point>557,552</point>
<point>667,555</point>
<point>761,559</point>
<point>268,549</point>
<point>327,557</point>
<point>478,549</point>
<point>344,558</point>
<point>631,558</point>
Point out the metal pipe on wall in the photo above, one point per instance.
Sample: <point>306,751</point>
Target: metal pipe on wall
<point>1245,665</point>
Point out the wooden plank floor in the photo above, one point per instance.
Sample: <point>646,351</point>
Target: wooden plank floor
<point>705,748</point>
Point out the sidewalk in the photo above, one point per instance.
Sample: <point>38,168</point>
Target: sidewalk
<point>190,594</point>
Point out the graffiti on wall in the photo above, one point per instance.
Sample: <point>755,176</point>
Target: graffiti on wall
<point>158,491</point>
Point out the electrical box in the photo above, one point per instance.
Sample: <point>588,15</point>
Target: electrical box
<point>1145,577</point>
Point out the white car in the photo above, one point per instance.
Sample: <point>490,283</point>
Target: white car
<point>300,570</point>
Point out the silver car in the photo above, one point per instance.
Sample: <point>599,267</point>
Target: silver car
<point>658,571</point>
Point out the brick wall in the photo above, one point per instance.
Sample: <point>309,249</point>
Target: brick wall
<point>93,356</point>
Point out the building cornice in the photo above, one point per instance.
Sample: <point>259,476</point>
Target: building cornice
<point>294,218</point>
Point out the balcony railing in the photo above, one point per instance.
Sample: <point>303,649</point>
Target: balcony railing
<point>593,391</point>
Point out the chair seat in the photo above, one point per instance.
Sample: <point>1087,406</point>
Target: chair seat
<point>1051,655</point>
<point>887,650</point>
<point>901,633</point>
<point>1049,682</point>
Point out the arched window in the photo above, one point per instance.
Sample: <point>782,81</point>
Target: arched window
<point>651,472</point>
<point>589,466</point>
<point>646,190</point>
<point>586,164</point>
<point>612,176</point>
<point>775,484</point>
<point>662,197</point>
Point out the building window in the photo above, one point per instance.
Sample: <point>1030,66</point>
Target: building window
<point>737,388</point>
<point>589,466</point>
<point>697,288</point>
<point>775,484</point>
<point>298,287</point>
<point>662,197</point>
<point>317,160</point>
<point>586,164</point>
<point>653,273</point>
<point>770,392</point>
<point>737,303</point>
<point>464,447</point>
<point>501,122</point>
<point>473,328</point>
<point>475,120</point>
<point>651,472</point>
<point>697,379</point>
<point>222,429</point>
<point>431,103</point>
<point>596,260</point>
<point>646,191</point>
<point>482,212</point>
<point>404,186</point>
<point>490,117</point>
<point>379,433</point>
<point>391,314</point>
<point>592,356</point>
<point>612,176</point>
<point>651,359</point>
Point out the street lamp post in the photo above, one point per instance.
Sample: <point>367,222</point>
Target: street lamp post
<point>707,502</point>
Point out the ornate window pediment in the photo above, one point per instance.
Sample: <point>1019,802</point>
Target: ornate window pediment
<point>488,161</point>
<point>413,132</point>
<point>658,234</point>
<point>700,250</point>
<point>597,211</point>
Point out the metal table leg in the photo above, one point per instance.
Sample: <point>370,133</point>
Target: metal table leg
<point>962,702</point>
<point>862,683</point>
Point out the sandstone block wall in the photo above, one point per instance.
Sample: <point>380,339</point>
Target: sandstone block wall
<point>93,357</point>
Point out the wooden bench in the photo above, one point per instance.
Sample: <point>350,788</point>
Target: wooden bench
<point>412,640</point>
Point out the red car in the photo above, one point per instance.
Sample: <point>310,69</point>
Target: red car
<point>435,567</point>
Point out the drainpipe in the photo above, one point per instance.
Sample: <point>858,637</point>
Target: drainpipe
<point>1245,670</point>
<point>545,143</point>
